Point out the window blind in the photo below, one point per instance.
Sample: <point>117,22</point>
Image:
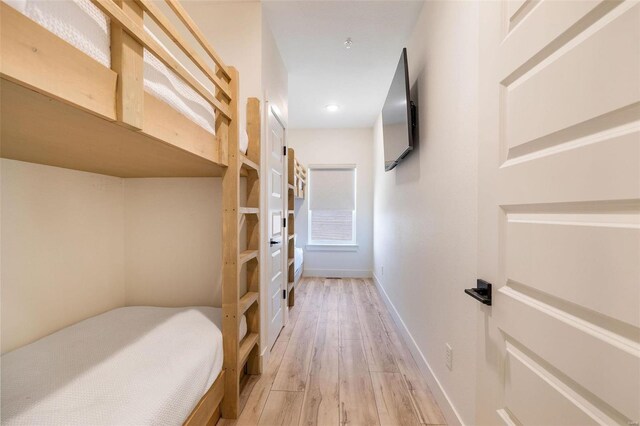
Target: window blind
<point>332,189</point>
<point>332,204</point>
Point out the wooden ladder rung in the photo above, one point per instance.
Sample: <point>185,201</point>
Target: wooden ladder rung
<point>248,164</point>
<point>249,341</point>
<point>291,237</point>
<point>291,262</point>
<point>249,210</point>
<point>247,300</point>
<point>290,286</point>
<point>247,255</point>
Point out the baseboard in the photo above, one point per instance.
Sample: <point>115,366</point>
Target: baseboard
<point>264,358</point>
<point>338,273</point>
<point>447,407</point>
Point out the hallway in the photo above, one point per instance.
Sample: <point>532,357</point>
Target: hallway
<point>340,360</point>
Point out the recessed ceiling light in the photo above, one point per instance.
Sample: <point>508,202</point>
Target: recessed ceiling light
<point>332,107</point>
<point>348,43</point>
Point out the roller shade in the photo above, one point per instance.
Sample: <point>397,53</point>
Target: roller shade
<point>332,188</point>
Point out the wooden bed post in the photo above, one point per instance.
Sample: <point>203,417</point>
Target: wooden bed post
<point>127,61</point>
<point>237,353</point>
<point>230,270</point>
<point>254,360</point>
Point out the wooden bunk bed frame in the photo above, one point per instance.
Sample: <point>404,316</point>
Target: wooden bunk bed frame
<point>60,107</point>
<point>297,187</point>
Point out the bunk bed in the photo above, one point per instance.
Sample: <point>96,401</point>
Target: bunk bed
<point>85,86</point>
<point>297,186</point>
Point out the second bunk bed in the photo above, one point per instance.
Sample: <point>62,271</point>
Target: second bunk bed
<point>85,86</point>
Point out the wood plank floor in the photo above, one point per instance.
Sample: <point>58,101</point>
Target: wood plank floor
<point>339,361</point>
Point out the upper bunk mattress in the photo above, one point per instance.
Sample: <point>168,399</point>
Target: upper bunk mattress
<point>84,26</point>
<point>129,366</point>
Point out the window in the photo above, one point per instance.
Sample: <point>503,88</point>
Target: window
<point>332,205</point>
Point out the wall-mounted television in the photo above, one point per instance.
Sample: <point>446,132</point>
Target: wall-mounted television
<point>398,117</point>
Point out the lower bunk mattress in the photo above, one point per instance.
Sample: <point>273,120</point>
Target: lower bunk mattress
<point>136,365</point>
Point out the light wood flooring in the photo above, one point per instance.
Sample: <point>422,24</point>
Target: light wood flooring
<point>339,361</point>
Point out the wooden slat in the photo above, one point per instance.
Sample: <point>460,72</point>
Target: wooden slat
<point>290,237</point>
<point>253,129</point>
<point>155,14</point>
<point>182,14</point>
<point>31,131</point>
<point>126,60</point>
<point>248,164</point>
<point>249,210</point>
<point>247,255</point>
<point>167,124</point>
<point>31,55</point>
<point>246,345</point>
<point>290,286</point>
<point>208,404</point>
<point>141,36</point>
<point>247,300</point>
<point>290,262</point>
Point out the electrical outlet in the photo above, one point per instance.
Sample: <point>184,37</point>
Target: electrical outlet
<point>449,357</point>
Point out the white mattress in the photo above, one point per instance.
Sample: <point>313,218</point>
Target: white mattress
<point>298,258</point>
<point>84,26</point>
<point>165,85</point>
<point>128,366</point>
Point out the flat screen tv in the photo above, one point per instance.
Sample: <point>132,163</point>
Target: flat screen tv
<point>398,117</point>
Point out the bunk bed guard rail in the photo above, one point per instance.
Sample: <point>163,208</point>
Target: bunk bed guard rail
<point>129,37</point>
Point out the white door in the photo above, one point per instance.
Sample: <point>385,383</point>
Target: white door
<point>276,201</point>
<point>559,213</point>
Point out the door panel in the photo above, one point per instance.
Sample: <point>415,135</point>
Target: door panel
<point>277,282</point>
<point>559,212</point>
<point>529,387</point>
<point>276,277</point>
<point>551,96</point>
<point>541,253</point>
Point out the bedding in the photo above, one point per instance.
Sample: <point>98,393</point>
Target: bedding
<point>83,25</point>
<point>130,366</point>
<point>298,258</point>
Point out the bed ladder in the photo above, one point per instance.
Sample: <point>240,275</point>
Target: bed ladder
<point>241,256</point>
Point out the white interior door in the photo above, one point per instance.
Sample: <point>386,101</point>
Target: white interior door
<point>559,213</point>
<point>276,201</point>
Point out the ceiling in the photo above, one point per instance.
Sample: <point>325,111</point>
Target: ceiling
<point>310,36</point>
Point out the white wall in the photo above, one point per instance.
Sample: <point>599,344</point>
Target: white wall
<point>338,146</point>
<point>62,249</point>
<point>173,241</point>
<point>425,210</point>
<point>275,82</point>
